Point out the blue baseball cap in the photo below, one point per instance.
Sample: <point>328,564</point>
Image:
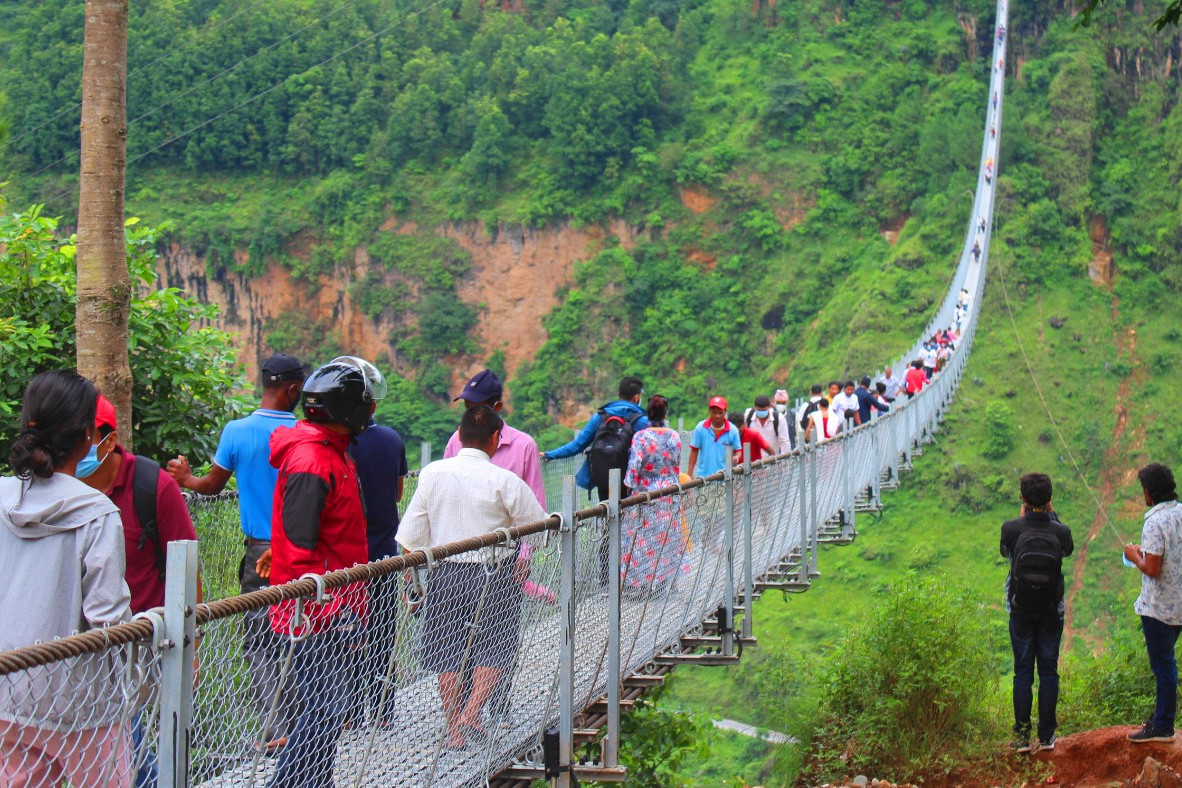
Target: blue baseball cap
<point>485,386</point>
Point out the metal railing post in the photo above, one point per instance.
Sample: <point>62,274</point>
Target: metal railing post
<point>611,742</point>
<point>748,545</point>
<point>728,636</point>
<point>566,654</point>
<point>814,514</point>
<point>176,683</point>
<point>803,512</point>
<point>424,454</point>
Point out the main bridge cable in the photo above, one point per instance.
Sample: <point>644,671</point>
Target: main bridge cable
<point>201,34</point>
<point>1100,508</point>
<point>264,92</point>
<point>212,79</point>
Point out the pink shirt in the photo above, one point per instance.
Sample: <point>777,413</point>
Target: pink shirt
<point>517,453</point>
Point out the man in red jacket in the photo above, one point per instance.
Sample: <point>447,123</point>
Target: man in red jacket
<point>318,526</point>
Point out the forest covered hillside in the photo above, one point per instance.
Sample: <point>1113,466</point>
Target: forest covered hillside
<point>724,196</point>
<point>797,173</point>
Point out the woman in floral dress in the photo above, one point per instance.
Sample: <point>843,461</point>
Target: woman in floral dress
<point>652,550</point>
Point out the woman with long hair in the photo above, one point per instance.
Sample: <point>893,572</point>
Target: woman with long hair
<point>61,572</point>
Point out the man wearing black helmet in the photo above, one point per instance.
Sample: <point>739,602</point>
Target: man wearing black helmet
<point>318,526</point>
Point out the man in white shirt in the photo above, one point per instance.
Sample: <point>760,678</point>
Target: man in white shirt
<point>845,404</point>
<point>463,622</point>
<point>774,428</point>
<point>893,384</point>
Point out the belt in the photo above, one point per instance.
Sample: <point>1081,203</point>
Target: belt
<point>248,541</point>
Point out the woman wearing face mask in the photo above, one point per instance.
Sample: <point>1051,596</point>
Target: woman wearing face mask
<point>61,572</point>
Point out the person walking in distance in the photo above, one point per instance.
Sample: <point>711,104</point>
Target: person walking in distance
<point>1036,544</point>
<point>1159,558</point>
<point>607,438</point>
<point>318,526</point>
<point>711,439</point>
<point>244,450</point>
<point>772,425</point>
<point>652,547</point>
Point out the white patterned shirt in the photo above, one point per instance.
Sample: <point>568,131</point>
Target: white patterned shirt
<point>1161,596</point>
<point>462,497</point>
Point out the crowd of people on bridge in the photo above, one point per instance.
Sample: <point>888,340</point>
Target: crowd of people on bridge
<point>322,493</point>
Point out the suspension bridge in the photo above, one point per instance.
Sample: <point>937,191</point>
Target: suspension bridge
<point>585,650</point>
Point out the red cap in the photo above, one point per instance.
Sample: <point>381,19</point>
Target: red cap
<point>104,414</point>
<point>717,402</point>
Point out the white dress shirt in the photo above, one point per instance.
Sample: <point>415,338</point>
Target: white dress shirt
<point>462,497</point>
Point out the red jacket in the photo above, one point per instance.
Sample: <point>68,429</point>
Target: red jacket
<point>317,521</point>
<point>916,379</point>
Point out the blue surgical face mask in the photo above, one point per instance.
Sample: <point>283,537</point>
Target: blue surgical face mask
<point>763,414</point>
<point>91,462</point>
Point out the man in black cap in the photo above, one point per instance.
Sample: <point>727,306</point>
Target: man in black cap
<point>245,449</point>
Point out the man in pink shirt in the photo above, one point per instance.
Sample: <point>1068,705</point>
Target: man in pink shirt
<point>518,452</point>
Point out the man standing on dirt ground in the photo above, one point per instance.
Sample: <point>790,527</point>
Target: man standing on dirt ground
<point>1159,557</point>
<point>245,449</point>
<point>1036,544</point>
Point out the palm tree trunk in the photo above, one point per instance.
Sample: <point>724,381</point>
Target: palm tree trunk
<point>104,286</point>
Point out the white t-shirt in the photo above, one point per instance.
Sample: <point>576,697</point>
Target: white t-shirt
<point>843,402</point>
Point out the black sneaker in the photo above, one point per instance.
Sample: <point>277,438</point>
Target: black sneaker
<point>1020,744</point>
<point>1150,733</point>
<point>1047,744</point>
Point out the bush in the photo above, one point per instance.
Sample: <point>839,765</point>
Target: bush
<point>999,421</point>
<point>904,694</point>
<point>1114,687</point>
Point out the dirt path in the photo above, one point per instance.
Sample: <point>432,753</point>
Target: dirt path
<point>1113,472</point>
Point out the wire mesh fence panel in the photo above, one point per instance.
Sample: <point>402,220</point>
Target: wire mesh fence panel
<point>88,720</point>
<point>218,524</point>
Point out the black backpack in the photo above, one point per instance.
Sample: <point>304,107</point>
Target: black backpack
<point>775,419</point>
<point>143,489</point>
<point>1036,571</point>
<point>610,446</point>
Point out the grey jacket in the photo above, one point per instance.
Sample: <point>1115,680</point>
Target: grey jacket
<point>61,572</point>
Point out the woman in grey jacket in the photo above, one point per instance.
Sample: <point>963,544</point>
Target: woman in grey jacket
<point>61,572</point>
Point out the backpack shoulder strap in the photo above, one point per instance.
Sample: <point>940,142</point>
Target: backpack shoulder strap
<point>776,422</point>
<point>635,417</point>
<point>143,486</point>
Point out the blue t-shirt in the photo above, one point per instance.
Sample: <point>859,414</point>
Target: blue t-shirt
<point>245,450</point>
<point>712,451</point>
<point>381,461</point>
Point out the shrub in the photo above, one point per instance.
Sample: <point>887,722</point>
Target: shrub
<point>999,422</point>
<point>905,692</point>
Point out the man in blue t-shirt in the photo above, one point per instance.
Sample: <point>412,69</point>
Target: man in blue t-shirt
<point>245,450</point>
<point>712,439</point>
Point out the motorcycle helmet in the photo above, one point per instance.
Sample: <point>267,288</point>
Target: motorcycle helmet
<point>343,391</point>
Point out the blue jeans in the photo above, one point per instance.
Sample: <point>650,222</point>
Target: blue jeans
<point>146,774</point>
<point>324,669</point>
<point>1159,642</point>
<point>1034,638</point>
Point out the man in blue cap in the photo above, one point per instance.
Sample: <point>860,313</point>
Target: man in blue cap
<point>517,452</point>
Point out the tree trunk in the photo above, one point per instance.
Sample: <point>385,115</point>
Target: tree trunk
<point>104,285</point>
